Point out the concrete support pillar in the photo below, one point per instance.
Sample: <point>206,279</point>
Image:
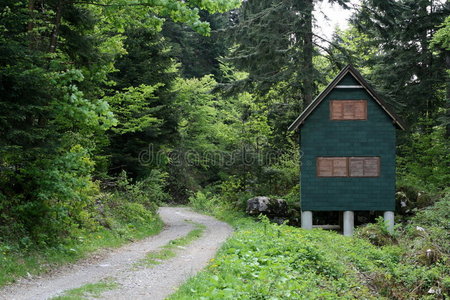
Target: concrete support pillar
<point>349,223</point>
<point>307,221</point>
<point>389,220</point>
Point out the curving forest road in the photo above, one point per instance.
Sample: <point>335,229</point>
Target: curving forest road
<point>119,265</point>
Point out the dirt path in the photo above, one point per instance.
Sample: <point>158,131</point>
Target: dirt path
<point>154,283</point>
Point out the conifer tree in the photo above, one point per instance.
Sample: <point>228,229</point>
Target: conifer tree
<point>274,42</point>
<point>406,69</point>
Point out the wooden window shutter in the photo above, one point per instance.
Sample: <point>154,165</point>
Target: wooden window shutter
<point>332,167</point>
<point>372,166</point>
<point>348,109</point>
<point>356,167</point>
<point>324,167</point>
<point>337,110</point>
<point>340,167</point>
<point>348,166</point>
<point>360,110</point>
<point>364,166</point>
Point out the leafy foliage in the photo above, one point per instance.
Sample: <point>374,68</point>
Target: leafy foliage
<point>441,38</point>
<point>267,260</point>
<point>64,114</point>
<point>425,161</point>
<point>416,91</point>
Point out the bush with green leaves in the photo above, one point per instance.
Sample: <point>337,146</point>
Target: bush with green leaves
<point>378,233</point>
<point>134,214</point>
<point>129,204</point>
<point>424,161</point>
<point>427,234</point>
<point>61,202</point>
<point>424,240</point>
<point>83,221</point>
<point>148,191</point>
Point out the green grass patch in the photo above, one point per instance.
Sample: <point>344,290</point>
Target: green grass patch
<point>167,251</point>
<point>16,263</point>
<point>186,240</point>
<point>156,257</point>
<point>87,291</point>
<point>268,261</point>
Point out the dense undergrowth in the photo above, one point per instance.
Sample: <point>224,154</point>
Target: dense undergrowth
<point>124,213</point>
<point>269,261</point>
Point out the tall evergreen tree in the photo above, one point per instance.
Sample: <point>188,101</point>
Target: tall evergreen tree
<point>441,42</point>
<point>145,75</point>
<point>198,55</point>
<point>411,74</point>
<point>274,42</point>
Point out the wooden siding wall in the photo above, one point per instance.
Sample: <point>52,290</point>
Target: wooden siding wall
<point>322,137</point>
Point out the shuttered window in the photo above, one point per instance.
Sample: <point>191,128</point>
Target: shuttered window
<point>364,166</point>
<point>348,110</point>
<point>348,166</point>
<point>332,167</point>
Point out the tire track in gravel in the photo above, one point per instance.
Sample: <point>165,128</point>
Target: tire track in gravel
<point>142,282</point>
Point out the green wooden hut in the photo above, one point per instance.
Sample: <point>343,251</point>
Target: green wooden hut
<point>348,141</point>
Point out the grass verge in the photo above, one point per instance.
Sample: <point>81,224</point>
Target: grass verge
<point>88,291</point>
<point>15,264</point>
<point>167,251</point>
<point>268,261</point>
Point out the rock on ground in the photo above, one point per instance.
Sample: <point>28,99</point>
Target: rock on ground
<point>267,206</point>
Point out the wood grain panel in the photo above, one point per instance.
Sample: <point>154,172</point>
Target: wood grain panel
<point>360,110</point>
<point>348,109</point>
<point>340,167</point>
<point>348,166</point>
<point>356,166</point>
<point>337,110</point>
<point>364,166</point>
<point>332,166</point>
<point>372,166</point>
<point>324,167</point>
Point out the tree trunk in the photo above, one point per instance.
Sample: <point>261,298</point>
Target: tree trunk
<point>308,53</point>
<point>55,32</point>
<point>447,95</point>
<point>30,26</point>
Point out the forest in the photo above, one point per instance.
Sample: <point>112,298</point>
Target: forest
<point>112,108</point>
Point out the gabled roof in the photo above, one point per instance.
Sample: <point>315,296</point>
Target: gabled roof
<point>364,84</point>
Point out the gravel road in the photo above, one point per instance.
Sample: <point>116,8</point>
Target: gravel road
<point>153,283</point>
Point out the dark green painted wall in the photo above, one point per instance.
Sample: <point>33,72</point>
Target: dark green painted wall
<point>372,137</point>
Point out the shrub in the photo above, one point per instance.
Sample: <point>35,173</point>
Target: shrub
<point>131,203</point>
<point>149,191</point>
<point>422,271</point>
<point>50,199</point>
<point>377,234</point>
<point>200,201</point>
<point>134,214</point>
<point>425,161</point>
